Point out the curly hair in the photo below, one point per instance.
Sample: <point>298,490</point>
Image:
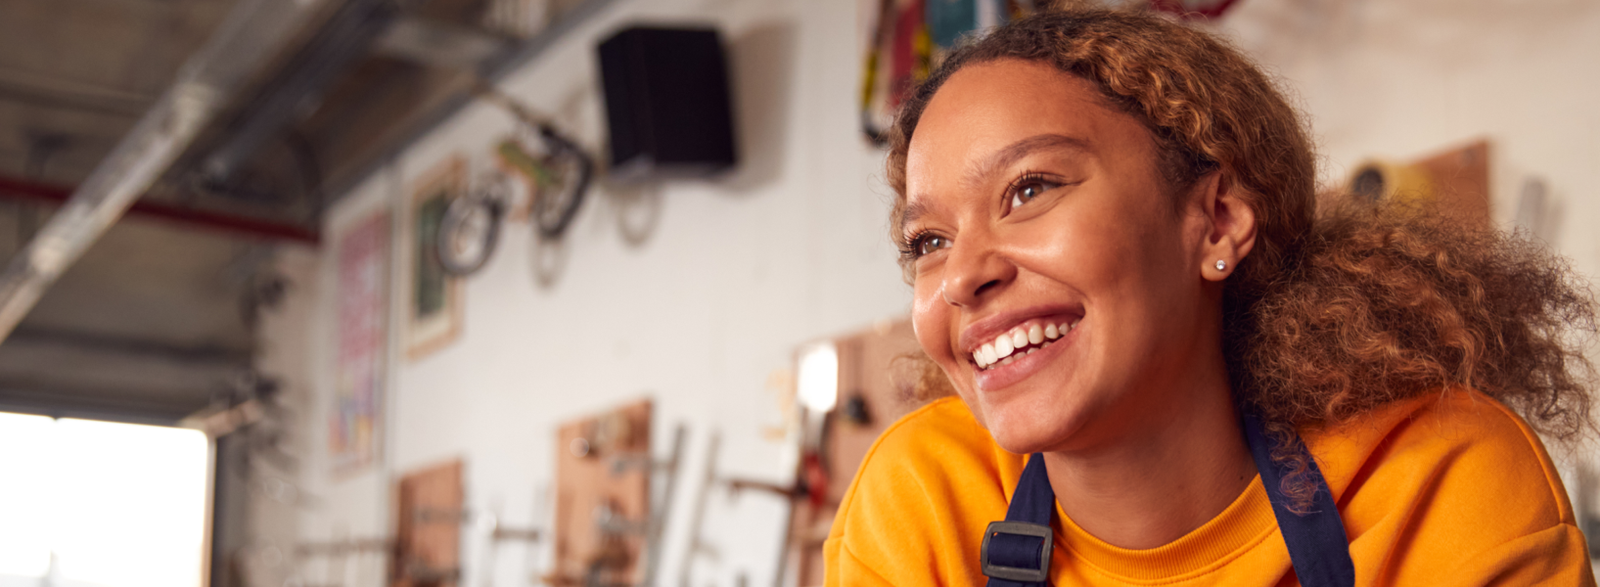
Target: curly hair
<point>1337,310</point>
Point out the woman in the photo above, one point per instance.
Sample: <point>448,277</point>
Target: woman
<point>1170,368</point>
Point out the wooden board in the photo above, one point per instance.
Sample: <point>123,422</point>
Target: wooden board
<point>1454,182</point>
<point>873,373</point>
<point>1461,181</point>
<point>603,471</point>
<point>428,515</point>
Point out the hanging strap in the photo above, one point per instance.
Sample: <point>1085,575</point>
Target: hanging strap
<point>1317,545</point>
<point>1016,552</point>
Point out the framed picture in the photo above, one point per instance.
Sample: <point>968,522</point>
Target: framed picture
<point>355,422</point>
<point>433,297</point>
<point>906,40</point>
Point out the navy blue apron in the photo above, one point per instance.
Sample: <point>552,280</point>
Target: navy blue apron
<point>1016,552</point>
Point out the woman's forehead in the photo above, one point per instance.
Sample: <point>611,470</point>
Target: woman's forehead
<point>997,161</point>
<point>991,114</point>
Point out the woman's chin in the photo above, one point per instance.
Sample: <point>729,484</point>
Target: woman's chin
<point>1028,418</point>
<point>1019,433</point>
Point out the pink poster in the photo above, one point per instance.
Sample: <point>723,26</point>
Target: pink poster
<point>363,287</point>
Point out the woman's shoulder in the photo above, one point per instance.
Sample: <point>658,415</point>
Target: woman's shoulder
<point>938,444</point>
<point>1452,477</point>
<point>935,429</point>
<point>1457,431</point>
<point>934,476</point>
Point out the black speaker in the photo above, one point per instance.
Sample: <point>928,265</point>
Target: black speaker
<point>666,92</point>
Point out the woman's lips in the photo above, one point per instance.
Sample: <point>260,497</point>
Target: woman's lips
<point>1021,365</point>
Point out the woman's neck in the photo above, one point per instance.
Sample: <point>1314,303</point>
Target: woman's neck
<point>1176,470</point>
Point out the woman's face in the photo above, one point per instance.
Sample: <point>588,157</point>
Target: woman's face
<point>1057,282</point>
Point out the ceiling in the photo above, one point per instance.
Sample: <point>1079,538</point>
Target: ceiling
<point>76,74</point>
<point>156,319</point>
<point>146,325</point>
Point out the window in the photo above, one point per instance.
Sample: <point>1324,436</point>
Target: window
<point>102,504</point>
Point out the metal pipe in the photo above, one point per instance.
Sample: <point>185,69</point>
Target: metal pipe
<point>345,547</point>
<point>11,187</point>
<point>253,31</point>
<point>658,511</point>
<point>203,356</point>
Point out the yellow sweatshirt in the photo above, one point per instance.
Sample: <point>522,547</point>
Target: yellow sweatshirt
<point>1446,489</point>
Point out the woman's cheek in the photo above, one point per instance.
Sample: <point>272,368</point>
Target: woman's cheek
<point>929,319</point>
<point>932,338</point>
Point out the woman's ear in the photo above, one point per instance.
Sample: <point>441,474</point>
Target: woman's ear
<point>1231,225</point>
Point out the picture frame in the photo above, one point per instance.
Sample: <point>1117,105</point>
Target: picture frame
<point>433,296</point>
<point>355,427</point>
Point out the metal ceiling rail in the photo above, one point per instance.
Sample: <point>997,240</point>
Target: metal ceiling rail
<point>492,71</point>
<point>344,38</point>
<point>252,32</point>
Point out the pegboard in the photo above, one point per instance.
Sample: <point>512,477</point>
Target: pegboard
<point>428,515</point>
<point>1454,182</point>
<point>874,378</point>
<point>603,469</point>
<point>1461,181</point>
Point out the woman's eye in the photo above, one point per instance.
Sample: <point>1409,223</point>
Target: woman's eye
<point>1029,188</point>
<point>930,243</point>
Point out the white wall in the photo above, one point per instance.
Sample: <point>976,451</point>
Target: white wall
<point>734,273</point>
<point>1399,79</point>
<point>732,276</point>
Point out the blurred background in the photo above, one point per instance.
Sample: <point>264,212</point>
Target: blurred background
<point>568,292</point>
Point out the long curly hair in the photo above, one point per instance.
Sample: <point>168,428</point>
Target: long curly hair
<point>1340,308</point>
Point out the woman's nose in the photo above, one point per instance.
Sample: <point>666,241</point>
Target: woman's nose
<point>974,270</point>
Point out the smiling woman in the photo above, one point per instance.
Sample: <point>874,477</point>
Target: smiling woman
<point>1170,367</point>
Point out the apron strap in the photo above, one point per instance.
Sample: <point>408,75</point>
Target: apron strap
<point>1317,545</point>
<point>1016,552</point>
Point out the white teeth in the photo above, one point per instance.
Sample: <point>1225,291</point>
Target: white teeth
<point>1003,347</point>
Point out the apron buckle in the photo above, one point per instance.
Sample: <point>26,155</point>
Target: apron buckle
<point>1017,551</point>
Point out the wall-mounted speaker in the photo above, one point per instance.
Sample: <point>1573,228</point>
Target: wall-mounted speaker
<point>666,92</point>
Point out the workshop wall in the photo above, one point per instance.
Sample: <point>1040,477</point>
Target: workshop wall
<point>1399,80</point>
<point>694,292</point>
<point>690,292</point>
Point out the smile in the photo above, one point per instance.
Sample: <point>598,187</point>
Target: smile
<point>1020,341</point>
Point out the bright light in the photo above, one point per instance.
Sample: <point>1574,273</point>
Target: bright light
<point>25,495</point>
<point>121,505</point>
<point>819,377</point>
<point>133,503</point>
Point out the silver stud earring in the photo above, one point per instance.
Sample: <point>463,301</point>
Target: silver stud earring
<point>1221,265</point>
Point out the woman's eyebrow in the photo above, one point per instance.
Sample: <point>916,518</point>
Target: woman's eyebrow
<point>1015,151</point>
<point>915,209</point>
